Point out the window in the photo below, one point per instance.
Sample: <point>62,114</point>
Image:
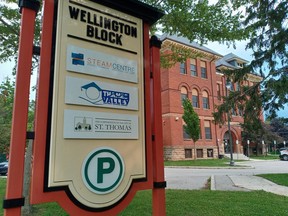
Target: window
<point>184,93</point>
<point>199,153</point>
<point>183,68</point>
<point>193,69</point>
<point>185,134</point>
<point>203,70</point>
<point>195,98</point>
<point>218,92</point>
<point>209,153</point>
<point>205,100</point>
<point>200,131</point>
<point>207,127</point>
<point>188,153</point>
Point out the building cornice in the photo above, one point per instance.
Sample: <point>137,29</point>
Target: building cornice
<point>167,44</point>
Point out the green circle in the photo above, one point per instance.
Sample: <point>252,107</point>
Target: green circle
<point>103,190</point>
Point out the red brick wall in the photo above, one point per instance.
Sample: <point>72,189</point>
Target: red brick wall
<point>172,109</point>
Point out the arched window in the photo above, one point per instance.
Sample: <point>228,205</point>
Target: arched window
<point>205,99</point>
<point>184,94</point>
<point>195,98</point>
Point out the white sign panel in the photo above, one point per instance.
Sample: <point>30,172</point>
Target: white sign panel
<point>99,125</point>
<point>100,64</point>
<point>97,93</point>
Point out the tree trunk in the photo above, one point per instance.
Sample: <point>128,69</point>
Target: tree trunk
<point>195,153</point>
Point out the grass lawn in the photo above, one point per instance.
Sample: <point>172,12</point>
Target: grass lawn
<point>200,162</point>
<point>280,179</point>
<point>190,202</point>
<point>264,157</point>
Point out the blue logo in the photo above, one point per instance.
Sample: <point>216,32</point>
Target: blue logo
<point>78,59</point>
<point>95,95</point>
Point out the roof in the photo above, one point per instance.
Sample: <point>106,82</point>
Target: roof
<point>225,61</point>
<point>187,42</point>
<point>222,62</point>
<point>232,56</point>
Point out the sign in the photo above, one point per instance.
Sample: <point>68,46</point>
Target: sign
<point>98,125</point>
<point>96,93</point>
<point>91,62</point>
<point>103,170</point>
<point>97,145</point>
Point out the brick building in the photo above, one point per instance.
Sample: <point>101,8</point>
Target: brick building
<point>202,82</point>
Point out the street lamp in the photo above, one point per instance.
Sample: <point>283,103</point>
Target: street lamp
<point>248,142</point>
<point>228,85</point>
<point>237,142</point>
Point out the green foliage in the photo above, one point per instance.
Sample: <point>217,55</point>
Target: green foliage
<point>10,31</point>
<point>190,202</point>
<point>6,106</point>
<point>7,88</point>
<point>200,163</point>
<point>200,21</point>
<point>266,23</point>
<point>280,127</point>
<point>177,54</point>
<point>191,119</point>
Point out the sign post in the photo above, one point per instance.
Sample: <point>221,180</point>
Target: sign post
<point>14,200</point>
<point>159,182</point>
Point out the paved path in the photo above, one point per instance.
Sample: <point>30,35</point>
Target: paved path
<point>228,179</point>
<point>258,183</point>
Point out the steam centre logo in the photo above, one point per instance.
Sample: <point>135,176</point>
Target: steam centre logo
<point>98,96</point>
<point>77,59</point>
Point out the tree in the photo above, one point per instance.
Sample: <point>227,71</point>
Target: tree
<point>9,33</point>
<point>192,125</point>
<point>6,107</point>
<point>280,127</point>
<point>267,25</point>
<point>266,22</point>
<point>7,88</point>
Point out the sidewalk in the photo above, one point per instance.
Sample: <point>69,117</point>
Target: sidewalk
<point>246,183</point>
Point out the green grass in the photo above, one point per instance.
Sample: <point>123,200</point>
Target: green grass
<point>2,193</point>
<point>264,157</point>
<point>190,202</point>
<point>48,209</point>
<point>211,203</point>
<point>200,162</point>
<point>280,179</point>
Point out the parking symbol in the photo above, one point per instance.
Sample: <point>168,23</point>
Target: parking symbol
<point>103,170</point>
